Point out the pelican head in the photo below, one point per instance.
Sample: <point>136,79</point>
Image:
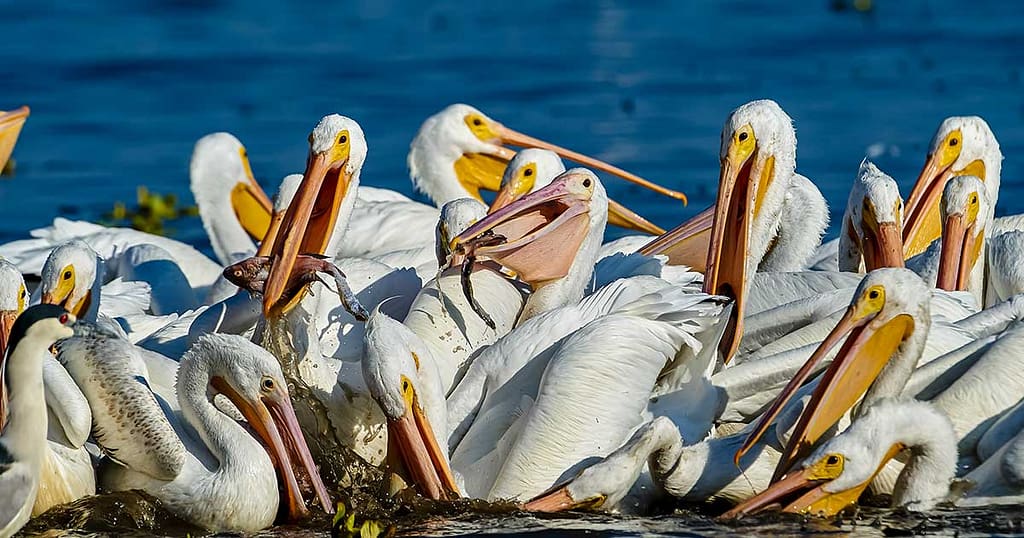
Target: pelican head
<point>460,151</point>
<point>964,212</point>
<point>962,146</point>
<point>226,191</point>
<point>758,160</point>
<point>10,127</point>
<point>833,477</point>
<point>532,169</point>
<point>878,326</point>
<point>251,378</point>
<point>325,196</point>
<point>13,299</point>
<point>540,235</point>
<point>396,369</point>
<point>68,277</point>
<point>456,217</point>
<point>871,236</point>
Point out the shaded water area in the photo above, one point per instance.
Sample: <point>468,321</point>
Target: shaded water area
<point>120,92</point>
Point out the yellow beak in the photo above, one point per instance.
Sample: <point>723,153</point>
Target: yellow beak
<point>10,128</point>
<point>922,223</point>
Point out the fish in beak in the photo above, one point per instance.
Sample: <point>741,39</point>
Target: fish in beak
<point>882,243</point>
<point>251,205</point>
<point>251,275</point>
<point>871,339</point>
<point>273,419</point>
<point>961,247</point>
<point>309,221</point>
<point>418,449</point>
<point>10,127</point>
<point>536,236</point>
<point>810,490</point>
<point>478,170</point>
<point>923,213</point>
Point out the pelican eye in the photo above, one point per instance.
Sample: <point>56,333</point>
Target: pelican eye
<point>743,136</point>
<point>405,385</point>
<point>342,139</point>
<point>63,319</point>
<point>67,275</point>
<point>586,183</point>
<point>873,294</point>
<point>478,122</point>
<point>974,198</point>
<point>832,460</point>
<point>953,142</point>
<point>267,383</point>
<point>528,172</point>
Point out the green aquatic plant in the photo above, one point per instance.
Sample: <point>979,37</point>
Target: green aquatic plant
<point>150,213</point>
<point>346,525</point>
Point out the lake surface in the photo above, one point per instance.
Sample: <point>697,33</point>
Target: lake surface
<point>120,92</point>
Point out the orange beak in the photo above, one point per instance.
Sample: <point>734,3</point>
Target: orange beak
<point>10,128</point>
<point>421,455</point>
<point>922,223</point>
<point>515,138</point>
<point>884,249</point>
<point>306,226</point>
<point>273,419</point>
<point>959,253</point>
<point>7,318</point>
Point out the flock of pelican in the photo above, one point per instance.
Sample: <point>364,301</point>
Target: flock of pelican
<point>503,351</point>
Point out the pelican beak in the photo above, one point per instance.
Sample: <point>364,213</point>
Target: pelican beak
<point>426,463</point>
<point>741,188</point>
<point>960,251</point>
<point>686,244</point>
<point>882,244</point>
<point>922,226</point>
<point>273,419</point>
<point>252,206</point>
<point>777,494</point>
<point>538,235</point>
<point>559,499</point>
<point>10,128</point>
<point>821,502</point>
<point>7,318</point>
<point>267,245</point>
<point>618,215</point>
<point>306,226</point>
<point>870,343</point>
<point>61,297</point>
<point>515,138</point>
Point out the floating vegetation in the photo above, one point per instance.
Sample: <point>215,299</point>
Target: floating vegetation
<point>347,525</point>
<point>151,212</point>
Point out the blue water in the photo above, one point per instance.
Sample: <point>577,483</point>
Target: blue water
<point>120,92</point>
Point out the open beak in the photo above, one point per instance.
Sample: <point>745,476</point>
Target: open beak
<point>870,343</point>
<point>420,454</point>
<point>62,298</point>
<point>252,206</point>
<point>306,226</point>
<point>740,181</point>
<point>7,318</point>
<point>922,223</point>
<point>686,244</point>
<point>960,251</point>
<point>540,233</point>
<point>515,138</point>
<point>273,419</point>
<point>10,128</point>
<point>883,246</point>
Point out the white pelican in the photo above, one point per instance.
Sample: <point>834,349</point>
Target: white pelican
<point>23,441</point>
<point>962,146</point>
<point>234,209</point>
<point>871,235</point>
<point>223,479</point>
<point>457,153</point>
<point>10,127</point>
<point>836,473</point>
<point>30,254</point>
<point>1005,273</point>
<point>758,156</point>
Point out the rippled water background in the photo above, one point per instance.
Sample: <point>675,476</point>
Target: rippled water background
<point>120,92</point>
